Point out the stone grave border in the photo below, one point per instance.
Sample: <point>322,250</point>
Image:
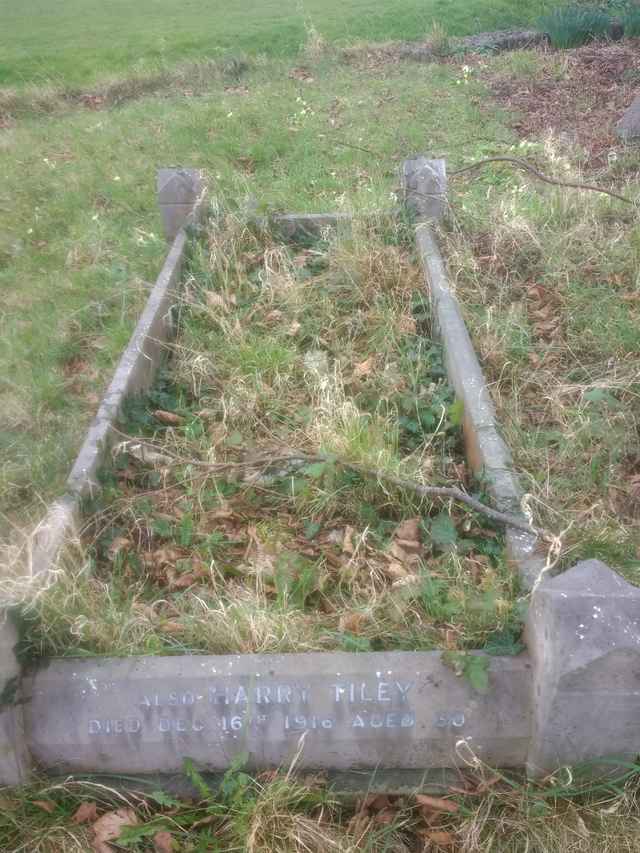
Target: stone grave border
<point>570,698</point>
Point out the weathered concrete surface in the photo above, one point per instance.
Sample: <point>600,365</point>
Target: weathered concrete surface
<point>57,529</point>
<point>486,451</point>
<point>14,756</point>
<point>135,372</point>
<point>424,184</point>
<point>344,711</point>
<point>628,128</point>
<point>178,191</point>
<point>584,638</point>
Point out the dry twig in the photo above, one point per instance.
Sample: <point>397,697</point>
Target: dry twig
<point>527,167</point>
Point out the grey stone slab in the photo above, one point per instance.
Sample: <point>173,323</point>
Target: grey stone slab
<point>628,128</point>
<point>340,711</point>
<point>14,755</point>
<point>424,184</point>
<point>583,634</point>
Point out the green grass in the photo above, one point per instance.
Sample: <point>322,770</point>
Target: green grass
<point>80,236</point>
<point>76,42</point>
<point>549,282</point>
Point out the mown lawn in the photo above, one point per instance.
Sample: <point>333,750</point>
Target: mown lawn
<point>76,41</point>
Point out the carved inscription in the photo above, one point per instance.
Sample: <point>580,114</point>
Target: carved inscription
<point>232,707</point>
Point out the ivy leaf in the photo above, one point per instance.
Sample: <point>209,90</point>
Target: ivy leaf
<point>311,529</point>
<point>164,799</point>
<point>315,470</point>
<point>473,668</point>
<point>476,671</point>
<point>353,643</point>
<point>456,412</point>
<point>503,642</point>
<point>443,531</point>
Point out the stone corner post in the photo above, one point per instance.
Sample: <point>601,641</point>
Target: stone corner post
<point>424,188</point>
<point>583,635</point>
<point>178,191</point>
<point>14,755</point>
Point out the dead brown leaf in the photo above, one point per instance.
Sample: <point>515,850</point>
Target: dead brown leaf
<point>364,368</point>
<point>109,826</point>
<point>163,842</point>
<point>347,540</point>
<point>216,300</point>
<point>385,817</point>
<point>438,839</point>
<point>353,622</point>
<point>437,804</point>
<point>167,418</point>
<point>376,802</point>
<point>395,571</point>
<point>45,805</point>
<point>118,546</point>
<point>85,812</point>
<point>301,73</point>
<point>409,530</point>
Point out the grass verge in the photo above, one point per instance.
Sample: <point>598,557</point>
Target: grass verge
<point>549,283</point>
<point>280,812</point>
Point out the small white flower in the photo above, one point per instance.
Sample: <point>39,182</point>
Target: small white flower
<point>95,217</point>
<point>116,177</point>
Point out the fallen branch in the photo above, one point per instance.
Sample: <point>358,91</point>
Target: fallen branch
<point>268,460</point>
<point>527,167</point>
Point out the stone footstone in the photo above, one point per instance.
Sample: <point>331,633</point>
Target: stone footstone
<point>628,128</point>
<point>335,711</point>
<point>584,638</point>
<point>424,184</point>
<point>178,191</point>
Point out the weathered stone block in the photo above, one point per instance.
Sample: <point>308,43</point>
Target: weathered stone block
<point>178,191</point>
<point>584,638</point>
<point>628,128</point>
<point>424,184</point>
<point>14,756</point>
<point>340,710</point>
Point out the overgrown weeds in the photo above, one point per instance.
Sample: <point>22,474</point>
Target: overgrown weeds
<point>211,535</point>
<point>281,812</point>
<point>549,281</point>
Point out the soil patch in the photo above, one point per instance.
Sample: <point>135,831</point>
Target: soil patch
<point>582,97</point>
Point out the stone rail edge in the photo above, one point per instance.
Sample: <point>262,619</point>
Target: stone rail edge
<point>182,200</point>
<point>424,185</point>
